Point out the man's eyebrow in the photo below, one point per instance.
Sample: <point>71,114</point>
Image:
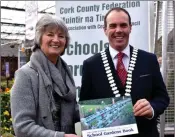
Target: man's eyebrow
<point>123,23</point>
<point>112,24</point>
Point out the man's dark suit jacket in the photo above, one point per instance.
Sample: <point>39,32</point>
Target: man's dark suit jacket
<point>147,83</point>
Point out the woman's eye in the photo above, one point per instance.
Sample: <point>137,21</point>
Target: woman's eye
<point>61,36</point>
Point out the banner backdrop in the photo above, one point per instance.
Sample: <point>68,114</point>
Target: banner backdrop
<point>84,20</point>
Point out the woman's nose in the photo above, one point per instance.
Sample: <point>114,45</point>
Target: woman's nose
<point>55,38</point>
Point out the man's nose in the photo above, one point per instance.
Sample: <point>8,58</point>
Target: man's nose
<point>118,29</point>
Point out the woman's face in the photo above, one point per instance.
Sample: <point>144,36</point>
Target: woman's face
<point>53,43</point>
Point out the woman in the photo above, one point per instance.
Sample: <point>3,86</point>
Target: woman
<point>43,97</point>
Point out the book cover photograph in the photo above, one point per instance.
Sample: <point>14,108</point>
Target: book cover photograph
<point>107,117</point>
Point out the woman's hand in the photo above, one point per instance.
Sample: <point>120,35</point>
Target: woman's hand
<point>70,135</point>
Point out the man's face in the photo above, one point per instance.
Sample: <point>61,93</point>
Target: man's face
<point>160,61</point>
<point>118,29</point>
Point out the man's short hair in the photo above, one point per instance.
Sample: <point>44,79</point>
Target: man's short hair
<point>118,9</point>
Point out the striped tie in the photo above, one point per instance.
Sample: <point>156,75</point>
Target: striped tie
<point>121,71</point>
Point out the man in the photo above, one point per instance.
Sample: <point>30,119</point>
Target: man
<point>104,74</point>
<point>160,63</point>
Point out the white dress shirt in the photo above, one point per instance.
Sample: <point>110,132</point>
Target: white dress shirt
<point>125,59</point>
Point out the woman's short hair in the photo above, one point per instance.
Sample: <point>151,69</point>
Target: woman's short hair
<point>49,21</point>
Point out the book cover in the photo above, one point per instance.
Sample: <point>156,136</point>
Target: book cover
<point>107,117</point>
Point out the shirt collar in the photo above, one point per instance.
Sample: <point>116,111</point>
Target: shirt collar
<point>114,52</point>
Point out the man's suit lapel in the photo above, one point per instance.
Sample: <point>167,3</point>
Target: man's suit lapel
<point>135,73</point>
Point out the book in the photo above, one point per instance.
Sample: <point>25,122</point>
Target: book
<point>107,117</point>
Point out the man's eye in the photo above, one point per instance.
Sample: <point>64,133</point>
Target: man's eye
<point>124,25</point>
<point>112,26</point>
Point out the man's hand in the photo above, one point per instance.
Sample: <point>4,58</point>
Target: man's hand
<point>143,108</point>
<point>70,135</point>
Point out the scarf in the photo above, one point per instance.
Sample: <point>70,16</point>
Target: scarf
<point>53,79</point>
